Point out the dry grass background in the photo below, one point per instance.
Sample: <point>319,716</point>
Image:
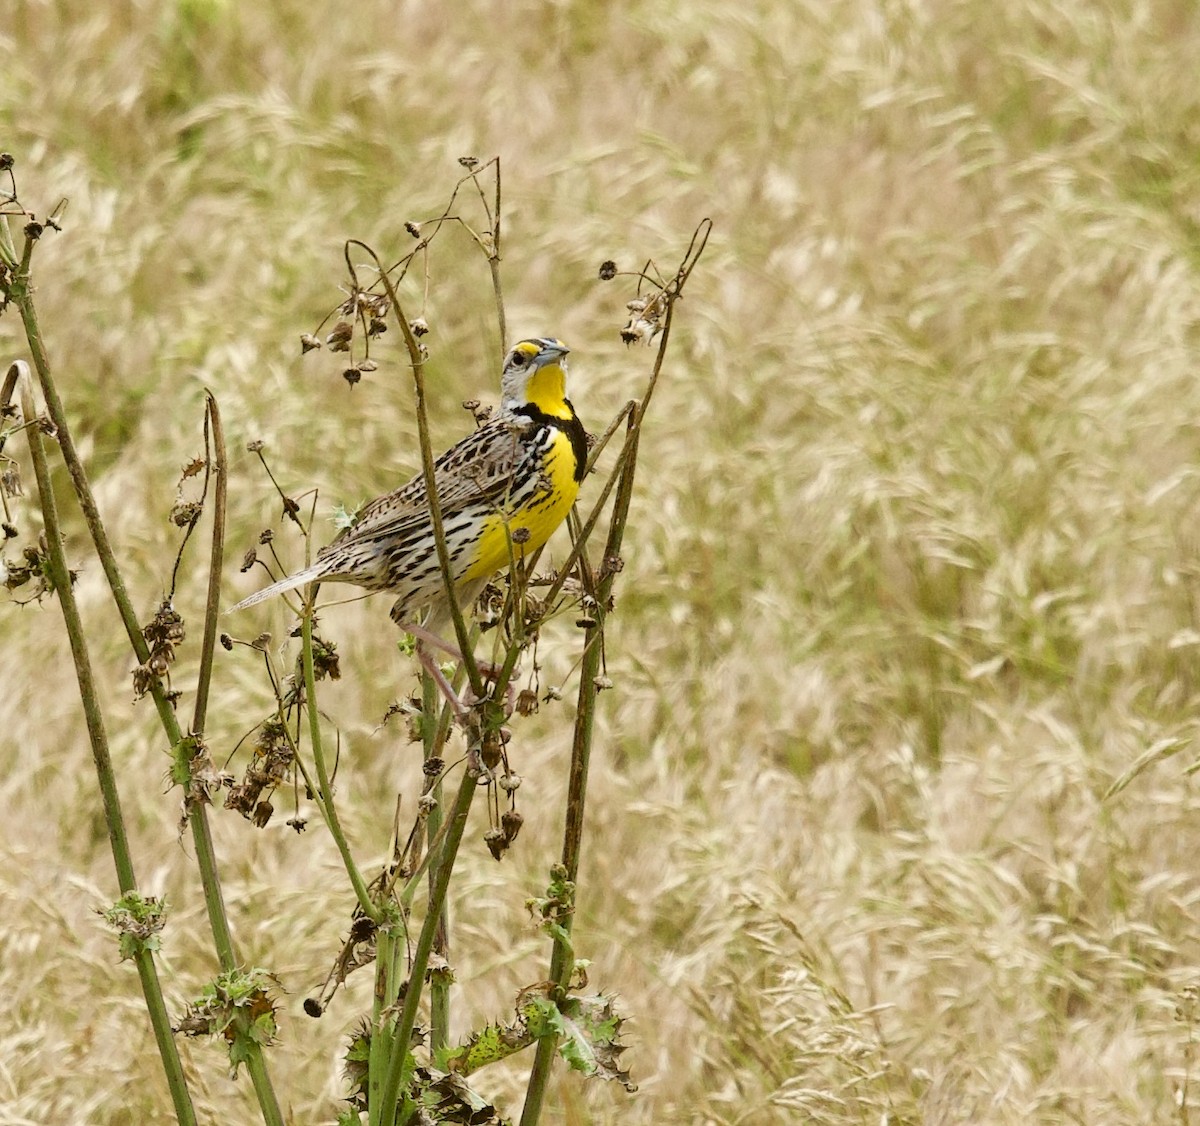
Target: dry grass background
<point>911,581</point>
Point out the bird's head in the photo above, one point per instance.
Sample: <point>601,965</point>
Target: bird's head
<point>535,372</point>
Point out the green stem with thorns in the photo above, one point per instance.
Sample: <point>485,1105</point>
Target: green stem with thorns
<point>397,1069</point>
<point>60,579</point>
<point>206,861</point>
<point>562,958</point>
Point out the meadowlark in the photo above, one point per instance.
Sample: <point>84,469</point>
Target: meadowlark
<point>503,491</point>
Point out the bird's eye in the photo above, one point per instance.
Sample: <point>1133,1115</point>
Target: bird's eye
<point>520,359</point>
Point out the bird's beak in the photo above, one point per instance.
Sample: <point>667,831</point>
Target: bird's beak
<point>551,353</point>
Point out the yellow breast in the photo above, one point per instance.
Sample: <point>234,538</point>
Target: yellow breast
<point>546,509</point>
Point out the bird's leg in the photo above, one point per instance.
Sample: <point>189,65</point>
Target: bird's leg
<point>428,637</point>
<point>462,713</point>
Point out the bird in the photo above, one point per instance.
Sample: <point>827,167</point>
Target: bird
<point>503,490</point>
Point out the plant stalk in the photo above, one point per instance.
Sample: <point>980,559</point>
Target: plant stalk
<point>201,834</point>
<point>60,578</point>
<point>396,1069</point>
<point>561,959</point>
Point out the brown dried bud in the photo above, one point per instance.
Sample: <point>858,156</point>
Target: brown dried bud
<point>521,535</point>
<point>413,229</point>
<point>262,814</point>
<point>527,702</point>
<point>497,843</point>
<point>377,326</point>
<point>433,767</point>
<point>352,376</point>
<point>255,446</point>
<point>468,162</point>
<point>9,530</point>
<point>161,659</point>
<point>311,1005</point>
<point>33,230</point>
<point>339,339</point>
<point>308,342</point>
<point>226,642</point>
<point>185,513</point>
<point>419,327</point>
<point>608,270</point>
<point>490,748</point>
<point>6,161</point>
<point>510,823</point>
<point>248,560</point>
<point>509,782</point>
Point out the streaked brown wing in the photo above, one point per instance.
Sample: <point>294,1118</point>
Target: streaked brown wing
<point>477,470</point>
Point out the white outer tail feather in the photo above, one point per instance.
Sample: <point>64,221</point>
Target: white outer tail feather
<point>300,578</point>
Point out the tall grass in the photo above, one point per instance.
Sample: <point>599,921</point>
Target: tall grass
<point>910,587</point>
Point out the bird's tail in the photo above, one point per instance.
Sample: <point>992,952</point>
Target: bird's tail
<point>300,578</point>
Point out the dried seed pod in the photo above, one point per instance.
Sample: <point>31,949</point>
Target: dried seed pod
<point>510,824</point>
<point>496,842</point>
<point>339,339</point>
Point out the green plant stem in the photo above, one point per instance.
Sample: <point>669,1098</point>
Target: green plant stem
<point>370,909</point>
<point>206,861</point>
<point>439,988</point>
<point>561,959</point>
<point>212,607</point>
<point>396,1067</point>
<point>429,473</point>
<point>386,954</point>
<point>60,577</point>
